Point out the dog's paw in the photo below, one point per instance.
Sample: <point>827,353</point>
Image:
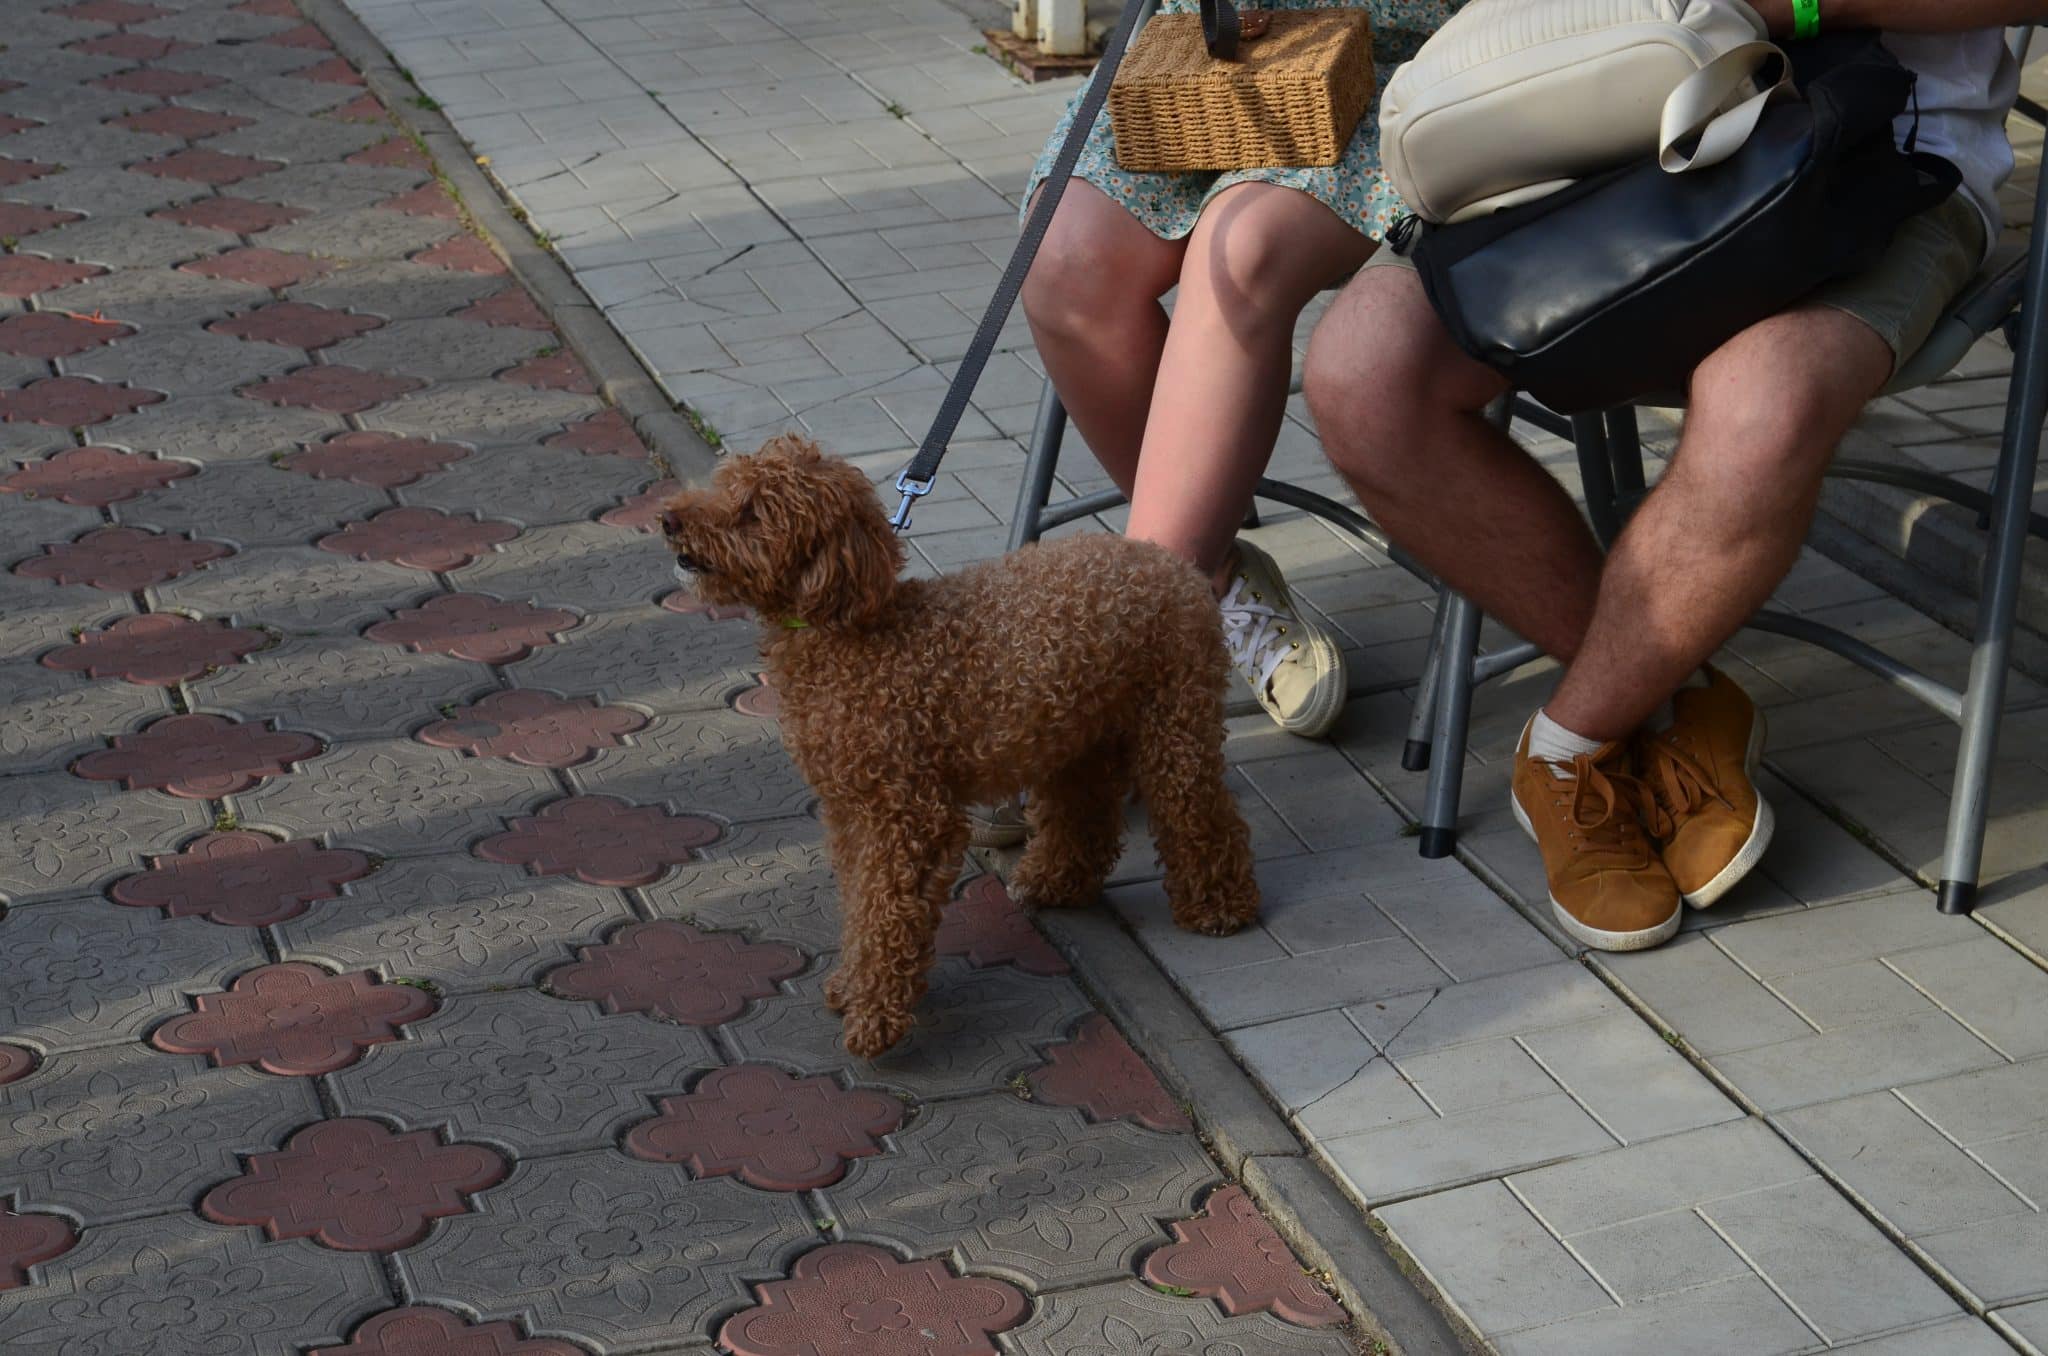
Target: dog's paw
<point>1219,919</point>
<point>1043,890</point>
<point>869,1033</point>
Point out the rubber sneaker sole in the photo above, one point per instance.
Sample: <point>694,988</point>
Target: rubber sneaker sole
<point>1320,715</point>
<point>1599,938</point>
<point>1745,861</point>
<point>997,826</point>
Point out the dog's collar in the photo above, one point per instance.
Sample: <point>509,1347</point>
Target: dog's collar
<point>794,624</point>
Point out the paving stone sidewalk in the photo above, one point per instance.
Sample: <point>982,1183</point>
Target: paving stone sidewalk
<point>1814,1121</point>
<point>413,928</point>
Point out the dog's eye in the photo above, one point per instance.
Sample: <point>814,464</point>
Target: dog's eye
<point>743,514</point>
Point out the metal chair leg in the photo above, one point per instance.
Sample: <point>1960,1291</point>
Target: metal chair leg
<point>1453,720</point>
<point>1415,754</point>
<point>1043,458</point>
<point>2004,555</point>
<point>1625,454</point>
<point>1596,474</point>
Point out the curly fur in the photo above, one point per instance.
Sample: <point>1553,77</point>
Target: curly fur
<point>1073,670</point>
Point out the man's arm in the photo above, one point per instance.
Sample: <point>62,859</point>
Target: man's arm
<point>1908,16</point>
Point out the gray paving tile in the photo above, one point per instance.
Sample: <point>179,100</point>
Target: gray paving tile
<point>1034,1194</point>
<point>1502,1268</point>
<point>531,485</point>
<point>195,1288</point>
<point>535,1074</point>
<point>249,504</point>
<point>1990,988</point>
<point>631,657</point>
<point>1974,1108</point>
<point>1479,1074</point>
<point>771,881</point>
<point>1842,1275</point>
<point>1128,1317</point>
<point>1853,995</point>
<point>1671,1174</point>
<point>41,616</point>
<point>1658,1255</point>
<point>730,764</point>
<point>1839,1064</point>
<point>395,289</point>
<point>1467,929</point>
<point>2028,1322</point>
<point>462,924</point>
<point>481,412</point>
<point>591,567</point>
<point>60,835</point>
<point>1960,1336</point>
<point>1740,1315</point>
<point>128,1131</point>
<point>397,797</point>
<point>213,430</point>
<point>1843,933</point>
<point>51,719</point>
<point>88,973</point>
<point>298,590</point>
<point>182,362</point>
<point>1998,1261</point>
<point>1506,1005</point>
<point>975,1030</point>
<point>1903,1168</point>
<point>1626,1075</point>
<point>440,350</point>
<point>340,688</point>
<point>607,1250</point>
<point>1700,993</point>
<point>1464,1146</point>
<point>1288,987</point>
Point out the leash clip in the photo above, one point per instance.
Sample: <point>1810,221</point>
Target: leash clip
<point>913,490</point>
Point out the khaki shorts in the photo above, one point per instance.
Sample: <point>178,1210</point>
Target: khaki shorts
<point>1932,258</point>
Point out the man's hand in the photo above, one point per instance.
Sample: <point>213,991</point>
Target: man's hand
<point>1907,16</point>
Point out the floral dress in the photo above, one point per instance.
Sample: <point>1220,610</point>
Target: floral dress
<point>1355,188</point>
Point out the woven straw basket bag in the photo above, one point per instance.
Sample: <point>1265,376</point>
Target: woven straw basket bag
<point>1189,97</point>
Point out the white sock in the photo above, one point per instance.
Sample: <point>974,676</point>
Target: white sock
<point>1551,741</point>
<point>1664,717</point>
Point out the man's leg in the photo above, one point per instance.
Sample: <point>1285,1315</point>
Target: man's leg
<point>1725,525</point>
<point>1400,409</point>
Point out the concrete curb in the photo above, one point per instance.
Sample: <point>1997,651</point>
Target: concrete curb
<point>1255,1145</point>
<point>619,374</point>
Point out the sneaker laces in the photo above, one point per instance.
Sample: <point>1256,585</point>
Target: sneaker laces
<point>1254,632</point>
<point>1606,804</point>
<point>1677,785</point>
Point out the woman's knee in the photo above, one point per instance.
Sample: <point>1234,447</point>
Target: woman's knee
<point>1260,254</point>
<point>1096,259</point>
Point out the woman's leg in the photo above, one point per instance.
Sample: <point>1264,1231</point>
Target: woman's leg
<point>1259,254</point>
<point>1093,302</point>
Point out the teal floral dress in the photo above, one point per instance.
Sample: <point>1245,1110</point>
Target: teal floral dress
<point>1355,188</point>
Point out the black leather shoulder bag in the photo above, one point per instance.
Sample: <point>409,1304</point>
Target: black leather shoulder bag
<point>1616,287</point>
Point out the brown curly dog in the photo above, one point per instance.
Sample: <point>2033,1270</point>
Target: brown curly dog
<point>1068,670</point>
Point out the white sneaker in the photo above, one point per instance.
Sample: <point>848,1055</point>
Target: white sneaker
<point>1293,666</point>
<point>997,826</point>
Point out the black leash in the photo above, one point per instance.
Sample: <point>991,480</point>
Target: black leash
<point>916,480</point>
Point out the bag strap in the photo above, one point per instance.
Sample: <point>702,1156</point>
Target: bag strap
<point>916,480</point>
<point>1695,112</point>
<point>1220,28</point>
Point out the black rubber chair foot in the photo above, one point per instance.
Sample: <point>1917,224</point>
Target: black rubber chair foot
<point>1415,755</point>
<point>1438,843</point>
<point>1956,897</point>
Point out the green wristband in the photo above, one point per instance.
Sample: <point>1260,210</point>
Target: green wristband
<point>1805,18</point>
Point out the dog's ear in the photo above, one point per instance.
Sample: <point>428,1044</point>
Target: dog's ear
<point>791,448</point>
<point>851,576</point>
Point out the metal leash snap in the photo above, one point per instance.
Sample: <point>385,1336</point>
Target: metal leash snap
<point>913,490</point>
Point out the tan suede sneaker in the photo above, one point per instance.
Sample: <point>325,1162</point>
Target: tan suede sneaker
<point>1702,774</point>
<point>1001,825</point>
<point>1292,665</point>
<point>1608,888</point>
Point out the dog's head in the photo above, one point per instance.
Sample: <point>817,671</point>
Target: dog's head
<point>795,535</point>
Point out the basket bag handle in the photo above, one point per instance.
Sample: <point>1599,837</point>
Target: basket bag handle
<point>1223,27</point>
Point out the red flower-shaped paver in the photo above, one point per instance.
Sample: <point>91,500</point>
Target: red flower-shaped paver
<point>600,841</point>
<point>393,153</point>
<point>556,372</point>
<point>419,538</point>
<point>761,701</point>
<point>474,627</point>
<point>72,402</point>
<point>197,757</point>
<point>690,605</point>
<point>15,1062</point>
<point>1100,1073</point>
<point>94,477</point>
<point>297,324</point>
<point>538,729</point>
<point>428,200</point>
<point>333,71</point>
<point>1232,1255</point>
<point>52,334</point>
<point>161,649</point>
<point>642,513</point>
<point>675,971</point>
<point>200,166</point>
<point>768,1128</point>
<point>28,1239</point>
<point>9,124</point>
<point>239,215</point>
<point>305,36</point>
<point>153,80</point>
<point>511,307</point>
<point>128,46</point>
<point>381,460</point>
<point>241,879</point>
<point>362,108</point>
<point>13,171</point>
<point>420,1331</point>
<point>463,254</point>
<point>294,1019</point>
<point>985,925</point>
<point>334,390</point>
<point>354,1185</point>
<point>120,559</point>
<point>119,12</point>
<point>855,1297</point>
<point>605,434</point>
<point>170,120</point>
<point>24,275</point>
<point>259,267</point>
<point>20,219</point>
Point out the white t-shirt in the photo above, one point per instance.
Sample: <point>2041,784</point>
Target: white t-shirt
<point>1968,81</point>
